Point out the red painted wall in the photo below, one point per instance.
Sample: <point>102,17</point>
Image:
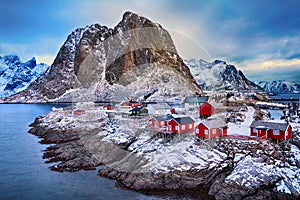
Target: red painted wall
<point>183,128</point>
<point>201,127</point>
<point>289,132</point>
<point>206,109</point>
<point>214,132</point>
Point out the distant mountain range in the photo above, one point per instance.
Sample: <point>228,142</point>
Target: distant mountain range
<point>16,75</point>
<point>218,75</point>
<point>280,86</point>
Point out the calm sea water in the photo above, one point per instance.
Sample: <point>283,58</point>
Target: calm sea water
<point>24,175</point>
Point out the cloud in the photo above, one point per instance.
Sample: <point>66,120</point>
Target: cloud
<point>47,59</point>
<point>268,69</point>
<point>294,56</point>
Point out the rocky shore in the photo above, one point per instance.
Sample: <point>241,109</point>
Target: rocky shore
<point>145,161</point>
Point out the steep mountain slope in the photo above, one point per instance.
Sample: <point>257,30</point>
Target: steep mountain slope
<point>219,75</point>
<point>280,86</point>
<point>16,75</point>
<point>137,58</point>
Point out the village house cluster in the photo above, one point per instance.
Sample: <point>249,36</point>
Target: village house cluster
<point>196,114</point>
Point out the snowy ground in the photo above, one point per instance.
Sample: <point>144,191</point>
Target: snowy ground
<point>242,128</point>
<point>180,153</point>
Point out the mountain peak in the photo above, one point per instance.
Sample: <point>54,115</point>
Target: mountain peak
<point>137,55</point>
<point>219,75</point>
<point>280,86</point>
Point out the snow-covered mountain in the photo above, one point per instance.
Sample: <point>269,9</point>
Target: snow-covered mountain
<point>16,75</point>
<point>219,75</point>
<point>280,86</point>
<point>136,58</point>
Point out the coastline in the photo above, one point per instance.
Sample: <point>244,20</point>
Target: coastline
<point>78,144</point>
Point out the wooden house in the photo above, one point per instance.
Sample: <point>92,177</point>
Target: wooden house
<point>78,112</point>
<point>206,110</point>
<point>158,109</point>
<point>194,101</point>
<point>158,122</point>
<point>130,104</point>
<point>211,128</point>
<point>275,130</point>
<point>180,125</point>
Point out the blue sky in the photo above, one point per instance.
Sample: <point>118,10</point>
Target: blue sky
<point>262,38</point>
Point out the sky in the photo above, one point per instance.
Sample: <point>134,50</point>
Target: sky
<point>261,38</point>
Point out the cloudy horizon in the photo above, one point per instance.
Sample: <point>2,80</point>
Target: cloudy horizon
<point>261,39</point>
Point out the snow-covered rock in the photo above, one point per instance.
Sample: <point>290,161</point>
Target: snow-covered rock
<point>219,75</point>
<point>16,75</point>
<point>280,86</point>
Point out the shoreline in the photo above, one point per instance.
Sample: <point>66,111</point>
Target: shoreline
<point>77,145</point>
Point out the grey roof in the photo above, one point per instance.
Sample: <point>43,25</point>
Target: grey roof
<point>196,99</point>
<point>184,120</point>
<point>214,123</point>
<point>163,117</point>
<point>270,125</point>
<point>160,106</point>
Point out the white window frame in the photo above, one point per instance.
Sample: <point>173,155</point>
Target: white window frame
<point>182,127</point>
<point>176,128</point>
<point>276,132</point>
<point>191,126</point>
<point>214,131</point>
<point>197,130</point>
<point>205,132</point>
<point>255,130</point>
<point>162,123</point>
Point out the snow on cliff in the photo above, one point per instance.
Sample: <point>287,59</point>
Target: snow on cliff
<point>219,75</point>
<point>16,75</point>
<point>280,86</point>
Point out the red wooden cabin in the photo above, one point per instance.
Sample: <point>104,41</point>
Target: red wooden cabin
<point>158,122</point>
<point>132,103</point>
<point>206,110</point>
<point>78,112</point>
<point>211,128</point>
<point>180,125</point>
<point>275,130</point>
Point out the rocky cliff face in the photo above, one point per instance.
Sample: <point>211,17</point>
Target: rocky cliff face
<point>219,75</point>
<point>16,75</point>
<point>137,57</point>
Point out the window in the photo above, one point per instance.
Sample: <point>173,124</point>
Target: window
<point>157,124</point>
<point>276,132</point>
<point>176,128</point>
<point>191,126</point>
<point>254,130</point>
<point>162,123</point>
<point>214,131</point>
<point>206,132</point>
<point>197,130</point>
<point>182,127</point>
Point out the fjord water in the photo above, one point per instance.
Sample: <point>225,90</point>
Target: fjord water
<point>23,173</point>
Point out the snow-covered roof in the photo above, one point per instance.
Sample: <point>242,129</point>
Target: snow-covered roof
<point>159,106</point>
<point>214,123</point>
<point>270,125</point>
<point>196,99</point>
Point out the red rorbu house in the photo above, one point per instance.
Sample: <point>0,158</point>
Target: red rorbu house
<point>211,128</point>
<point>206,110</point>
<point>180,125</point>
<point>159,122</point>
<point>130,104</point>
<point>275,130</point>
<point>78,112</point>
